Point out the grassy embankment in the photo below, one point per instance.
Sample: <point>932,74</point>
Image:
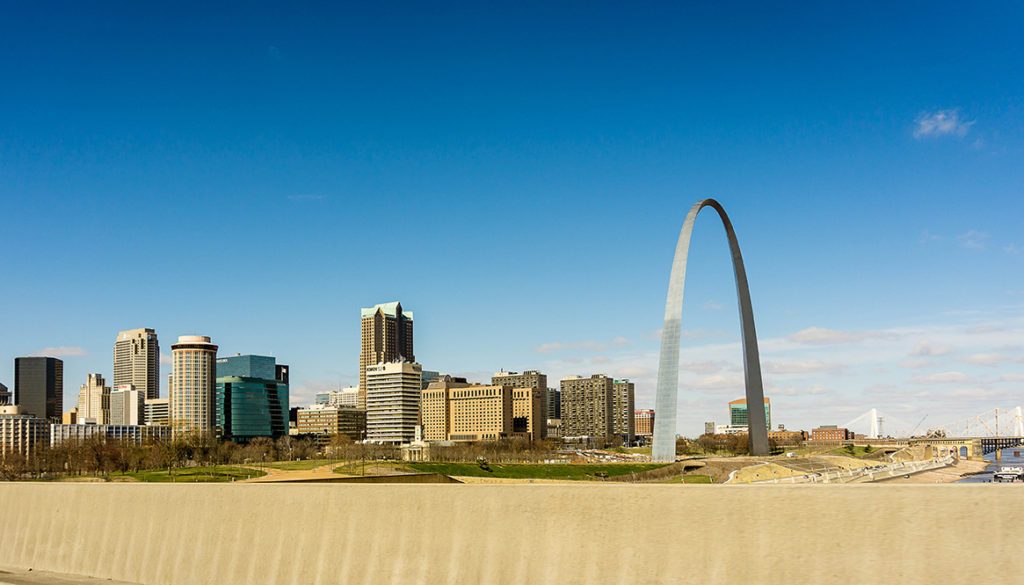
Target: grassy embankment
<point>571,471</point>
<point>220,473</point>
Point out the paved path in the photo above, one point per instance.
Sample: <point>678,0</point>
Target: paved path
<point>273,475</point>
<point>22,577</point>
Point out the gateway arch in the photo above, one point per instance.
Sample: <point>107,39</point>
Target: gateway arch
<point>664,448</point>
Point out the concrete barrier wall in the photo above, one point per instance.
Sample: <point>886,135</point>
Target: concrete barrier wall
<point>536,534</point>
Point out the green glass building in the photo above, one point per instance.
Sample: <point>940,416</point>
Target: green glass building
<point>738,413</point>
<point>251,397</point>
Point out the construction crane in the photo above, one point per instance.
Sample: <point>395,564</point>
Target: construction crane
<point>917,425</point>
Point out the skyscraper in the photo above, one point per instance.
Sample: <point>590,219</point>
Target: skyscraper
<point>94,401</point>
<point>386,337</point>
<point>39,386</point>
<point>392,402</point>
<point>137,361</point>
<point>623,423</point>
<point>587,406</point>
<point>530,379</point>
<point>252,397</point>
<point>193,384</point>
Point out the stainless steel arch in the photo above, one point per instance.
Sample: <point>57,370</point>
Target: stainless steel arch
<point>664,448</point>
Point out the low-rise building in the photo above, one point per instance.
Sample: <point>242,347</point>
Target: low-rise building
<point>643,422</point>
<point>831,433</point>
<point>157,412</point>
<point>137,434</point>
<point>332,420</point>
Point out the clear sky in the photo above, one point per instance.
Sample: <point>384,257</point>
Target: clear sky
<point>517,174</point>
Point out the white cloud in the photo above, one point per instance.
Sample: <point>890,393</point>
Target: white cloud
<point>927,236</point>
<point>925,348</point>
<point>719,382</point>
<point>800,367</point>
<point>701,333</point>
<point>983,330</point>
<point>600,360</point>
<point>632,372</point>
<point>943,378</point>
<point>1011,249</point>
<point>620,341</point>
<point>941,123</point>
<point>165,360</point>
<point>819,336</point>
<point>713,305</point>
<point>983,359</point>
<point>1012,377</point>
<point>973,239</point>
<point>812,390</point>
<point>61,351</point>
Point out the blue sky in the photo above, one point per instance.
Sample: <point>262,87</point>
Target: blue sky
<point>516,174</point>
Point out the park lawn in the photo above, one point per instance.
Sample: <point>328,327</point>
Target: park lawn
<point>571,471</point>
<point>220,473</point>
<point>372,468</point>
<point>858,451</point>
<point>301,465</point>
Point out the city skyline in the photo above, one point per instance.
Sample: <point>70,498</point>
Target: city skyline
<point>873,180</point>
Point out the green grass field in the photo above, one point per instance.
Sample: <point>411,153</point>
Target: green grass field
<point>570,471</point>
<point>303,465</point>
<point>194,474</point>
<point>688,479</point>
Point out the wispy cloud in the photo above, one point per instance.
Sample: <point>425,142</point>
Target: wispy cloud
<point>620,342</point>
<point>913,364</point>
<point>927,236</point>
<point>706,367</point>
<point>941,123</point>
<point>983,359</point>
<point>800,367</point>
<point>307,197</point>
<point>943,378</point>
<point>1011,249</point>
<point>819,336</point>
<point>925,348</point>
<point>1011,377</point>
<point>165,360</point>
<point>973,239</point>
<point>713,305</point>
<point>60,351</point>
<point>556,347</point>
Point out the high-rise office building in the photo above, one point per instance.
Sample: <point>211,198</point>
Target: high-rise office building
<point>623,424</point>
<point>528,379</point>
<point>193,382</point>
<point>137,361</point>
<point>738,416</point>
<point>435,407</point>
<point>94,401</point>
<point>21,432</point>
<point>587,406</point>
<point>528,406</point>
<point>127,406</point>
<point>386,332</point>
<point>392,402</point>
<point>39,387</point>
<point>251,399</point>
<point>554,404</point>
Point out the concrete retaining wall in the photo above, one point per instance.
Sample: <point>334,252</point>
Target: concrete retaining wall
<point>536,534</point>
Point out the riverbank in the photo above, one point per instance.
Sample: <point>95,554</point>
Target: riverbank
<point>944,475</point>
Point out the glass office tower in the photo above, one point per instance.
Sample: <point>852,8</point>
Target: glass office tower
<point>251,397</point>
